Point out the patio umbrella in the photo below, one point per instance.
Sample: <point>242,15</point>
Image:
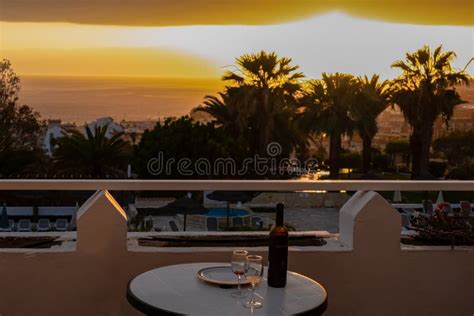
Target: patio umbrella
<point>230,197</point>
<point>186,206</point>
<point>440,198</point>
<point>4,217</point>
<point>397,196</point>
<point>34,217</point>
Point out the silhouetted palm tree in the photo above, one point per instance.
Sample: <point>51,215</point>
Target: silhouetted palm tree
<point>267,87</point>
<point>424,91</point>
<point>373,99</point>
<point>92,154</point>
<point>328,104</point>
<point>226,110</point>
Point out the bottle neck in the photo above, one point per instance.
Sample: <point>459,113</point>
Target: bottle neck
<point>279,215</point>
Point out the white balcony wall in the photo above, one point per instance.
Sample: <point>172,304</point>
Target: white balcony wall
<point>365,271</point>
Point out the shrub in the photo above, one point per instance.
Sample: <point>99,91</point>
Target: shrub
<point>437,169</point>
<point>381,162</point>
<point>350,160</point>
<point>462,172</point>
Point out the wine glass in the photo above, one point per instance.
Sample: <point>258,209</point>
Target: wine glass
<point>253,273</point>
<point>239,259</point>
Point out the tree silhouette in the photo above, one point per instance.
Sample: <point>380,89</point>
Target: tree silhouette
<point>373,99</point>
<point>425,90</point>
<point>328,104</point>
<point>260,102</point>
<point>92,154</point>
<point>20,127</point>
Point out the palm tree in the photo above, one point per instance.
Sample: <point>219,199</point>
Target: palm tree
<point>226,110</point>
<point>267,87</point>
<point>328,103</point>
<point>424,91</point>
<point>373,99</point>
<point>92,154</point>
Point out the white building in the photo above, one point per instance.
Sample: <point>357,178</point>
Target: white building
<point>112,127</point>
<point>56,130</point>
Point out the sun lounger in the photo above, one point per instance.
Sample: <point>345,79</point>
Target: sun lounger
<point>61,224</point>
<point>9,227</point>
<point>43,225</point>
<point>173,226</point>
<point>256,221</point>
<point>428,207</point>
<point>24,225</point>
<point>211,223</point>
<point>465,207</point>
<point>406,221</point>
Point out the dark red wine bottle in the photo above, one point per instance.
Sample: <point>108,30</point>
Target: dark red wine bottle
<point>278,251</point>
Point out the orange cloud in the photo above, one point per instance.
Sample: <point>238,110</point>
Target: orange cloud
<point>190,12</point>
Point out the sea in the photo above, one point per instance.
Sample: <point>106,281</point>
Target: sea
<point>83,99</point>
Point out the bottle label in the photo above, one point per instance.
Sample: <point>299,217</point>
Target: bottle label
<point>277,261</point>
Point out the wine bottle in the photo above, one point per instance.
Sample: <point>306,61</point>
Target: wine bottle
<point>278,251</point>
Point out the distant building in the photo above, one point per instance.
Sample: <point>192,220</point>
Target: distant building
<point>112,127</point>
<point>393,127</point>
<point>54,130</point>
<point>200,116</point>
<point>461,121</point>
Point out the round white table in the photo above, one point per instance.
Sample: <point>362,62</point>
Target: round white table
<point>176,290</point>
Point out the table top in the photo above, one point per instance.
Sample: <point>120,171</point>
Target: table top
<point>176,289</point>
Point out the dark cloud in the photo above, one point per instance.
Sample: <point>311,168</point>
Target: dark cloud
<point>189,12</point>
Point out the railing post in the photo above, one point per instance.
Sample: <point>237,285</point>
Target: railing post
<point>368,222</point>
<point>101,225</point>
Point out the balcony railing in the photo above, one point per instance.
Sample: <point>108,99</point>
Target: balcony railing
<point>365,269</point>
<point>237,185</point>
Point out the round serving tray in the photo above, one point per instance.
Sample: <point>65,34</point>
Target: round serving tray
<point>221,275</point>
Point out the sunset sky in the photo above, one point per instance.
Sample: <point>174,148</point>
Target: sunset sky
<point>144,59</point>
<point>161,39</point>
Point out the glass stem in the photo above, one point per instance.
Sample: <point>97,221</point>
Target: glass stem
<point>238,283</point>
<point>253,294</point>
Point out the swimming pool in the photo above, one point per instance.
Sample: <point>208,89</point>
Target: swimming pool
<point>222,212</point>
